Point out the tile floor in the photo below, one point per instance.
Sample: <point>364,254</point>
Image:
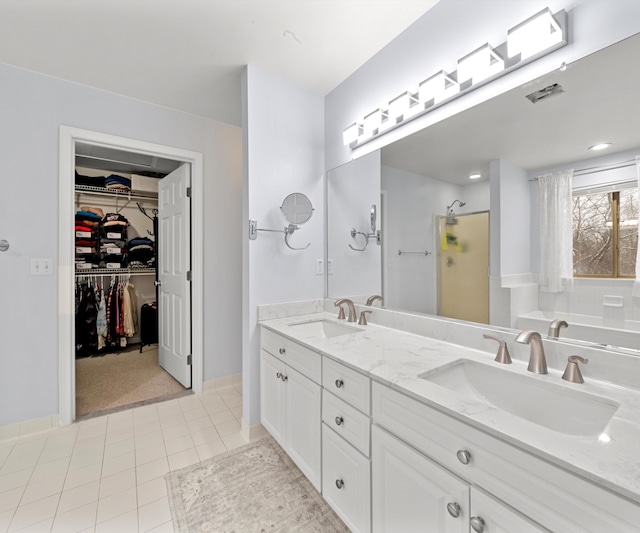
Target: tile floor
<point>106,474</point>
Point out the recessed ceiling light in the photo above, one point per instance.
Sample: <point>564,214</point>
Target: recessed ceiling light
<point>475,176</point>
<point>599,146</point>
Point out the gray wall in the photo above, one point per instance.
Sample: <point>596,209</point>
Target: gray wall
<point>283,138</point>
<point>32,108</point>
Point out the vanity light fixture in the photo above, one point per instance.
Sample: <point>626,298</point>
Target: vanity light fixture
<point>536,34</point>
<point>373,122</point>
<point>437,88</point>
<point>475,176</point>
<point>539,35</point>
<point>351,134</point>
<point>400,107</point>
<point>479,65</point>
<point>600,146</point>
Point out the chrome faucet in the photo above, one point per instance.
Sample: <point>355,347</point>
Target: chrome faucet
<point>554,328</point>
<point>537,359</point>
<point>373,298</point>
<point>352,309</point>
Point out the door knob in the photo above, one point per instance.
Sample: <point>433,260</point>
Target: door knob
<point>339,383</point>
<point>339,483</point>
<point>339,420</point>
<point>157,283</point>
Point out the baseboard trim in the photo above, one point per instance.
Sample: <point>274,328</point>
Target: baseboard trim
<point>28,427</point>
<point>250,433</point>
<point>220,383</point>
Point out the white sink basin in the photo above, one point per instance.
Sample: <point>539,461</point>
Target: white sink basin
<point>323,328</point>
<point>534,398</point>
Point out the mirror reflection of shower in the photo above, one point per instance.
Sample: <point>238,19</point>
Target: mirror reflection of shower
<point>450,214</point>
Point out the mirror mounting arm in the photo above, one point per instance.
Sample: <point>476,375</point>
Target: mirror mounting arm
<point>288,230</point>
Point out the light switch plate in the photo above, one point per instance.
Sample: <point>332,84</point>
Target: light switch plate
<point>319,267</point>
<point>329,266</point>
<point>41,267</point>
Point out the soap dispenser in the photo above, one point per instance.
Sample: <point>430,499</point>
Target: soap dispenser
<point>572,372</point>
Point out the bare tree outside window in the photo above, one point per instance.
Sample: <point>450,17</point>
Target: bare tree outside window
<point>605,234</point>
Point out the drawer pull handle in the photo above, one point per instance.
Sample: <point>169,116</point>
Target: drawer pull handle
<point>454,509</point>
<point>477,524</point>
<point>282,351</point>
<point>339,420</point>
<point>339,483</point>
<point>464,457</point>
<point>339,383</point>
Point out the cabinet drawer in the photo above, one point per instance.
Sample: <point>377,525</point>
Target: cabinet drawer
<point>549,495</point>
<point>346,481</point>
<point>303,359</point>
<point>349,385</point>
<point>346,421</point>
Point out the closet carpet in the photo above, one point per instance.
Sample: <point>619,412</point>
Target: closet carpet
<point>106,383</point>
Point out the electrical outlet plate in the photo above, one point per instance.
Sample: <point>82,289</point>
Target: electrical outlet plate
<point>329,266</point>
<point>41,267</point>
<point>319,267</point>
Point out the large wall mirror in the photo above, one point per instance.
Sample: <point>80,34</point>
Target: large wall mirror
<point>469,248</point>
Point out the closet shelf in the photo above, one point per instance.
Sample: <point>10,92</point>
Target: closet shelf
<point>101,191</point>
<point>108,271</point>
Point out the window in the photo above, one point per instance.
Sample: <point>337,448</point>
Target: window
<point>605,233</point>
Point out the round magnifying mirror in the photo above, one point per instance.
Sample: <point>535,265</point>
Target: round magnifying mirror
<point>297,208</point>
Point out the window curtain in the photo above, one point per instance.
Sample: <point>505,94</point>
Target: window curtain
<point>636,283</point>
<point>556,232</point>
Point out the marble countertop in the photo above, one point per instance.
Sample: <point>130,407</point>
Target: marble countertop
<point>397,359</point>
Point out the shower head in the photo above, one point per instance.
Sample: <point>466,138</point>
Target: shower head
<point>462,204</point>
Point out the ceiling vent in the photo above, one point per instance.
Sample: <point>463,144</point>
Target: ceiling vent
<point>536,96</point>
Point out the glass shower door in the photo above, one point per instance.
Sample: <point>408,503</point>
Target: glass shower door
<point>463,277</point>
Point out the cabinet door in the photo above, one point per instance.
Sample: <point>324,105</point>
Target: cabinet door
<point>411,493</point>
<point>346,481</point>
<point>272,396</point>
<point>491,515</point>
<point>302,423</point>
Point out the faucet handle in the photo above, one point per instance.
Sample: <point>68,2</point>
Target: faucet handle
<point>341,315</point>
<point>503,352</point>
<point>363,318</point>
<point>572,372</point>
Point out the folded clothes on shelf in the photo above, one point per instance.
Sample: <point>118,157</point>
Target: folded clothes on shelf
<point>116,182</point>
<point>90,181</point>
<point>91,209</point>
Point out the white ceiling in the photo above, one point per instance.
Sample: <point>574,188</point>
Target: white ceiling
<point>600,104</point>
<point>188,54</point>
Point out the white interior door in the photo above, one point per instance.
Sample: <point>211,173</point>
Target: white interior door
<point>174,265</point>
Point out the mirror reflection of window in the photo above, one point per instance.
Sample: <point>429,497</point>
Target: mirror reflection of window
<point>605,234</point>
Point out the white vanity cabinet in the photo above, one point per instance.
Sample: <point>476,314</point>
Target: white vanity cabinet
<point>411,493</point>
<point>502,477</point>
<point>291,401</point>
<point>346,444</point>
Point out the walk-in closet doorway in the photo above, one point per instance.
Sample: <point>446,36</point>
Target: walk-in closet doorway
<point>181,279</point>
